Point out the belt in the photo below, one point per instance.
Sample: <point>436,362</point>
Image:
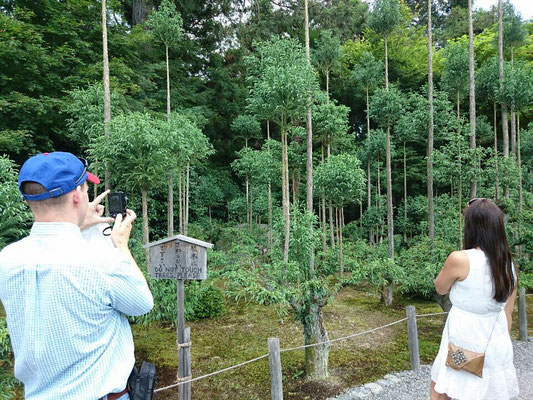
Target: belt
<point>114,396</point>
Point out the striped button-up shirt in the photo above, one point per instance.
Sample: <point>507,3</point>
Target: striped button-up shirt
<point>66,301</point>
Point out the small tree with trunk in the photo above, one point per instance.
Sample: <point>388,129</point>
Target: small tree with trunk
<point>386,107</point>
<point>327,54</point>
<point>281,84</point>
<point>246,127</point>
<point>384,19</point>
<point>455,73</point>
<point>330,125</point>
<point>166,25</point>
<point>488,89</point>
<point>136,154</point>
<point>367,73</point>
<point>343,181</point>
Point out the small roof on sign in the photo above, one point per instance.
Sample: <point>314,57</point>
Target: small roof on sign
<point>182,238</point>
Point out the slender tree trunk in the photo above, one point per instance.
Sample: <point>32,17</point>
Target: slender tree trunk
<point>331,222</point>
<point>513,134</point>
<point>368,181</point>
<point>285,193</point>
<point>170,205</point>
<point>378,203</point>
<point>180,200</point>
<point>247,203</point>
<point>472,93</point>
<point>251,205</point>
<point>323,201</point>
<point>168,83</point>
<point>513,117</point>
<point>505,127</point>
<point>519,160</point>
<point>431,209</point>
<point>186,226</point>
<point>337,224</point>
<point>404,194</point>
<point>361,216</point>
<point>390,221</point>
<point>144,205</point>
<point>520,183</point>
<point>327,82</point>
<point>386,63</point>
<point>458,102</point>
<point>107,91</point>
<point>460,209</point>
<point>316,357</point>
<point>341,256</point>
<point>497,178</point>
<point>369,195</point>
<point>269,198</point>
<point>309,148</point>
<point>210,224</point>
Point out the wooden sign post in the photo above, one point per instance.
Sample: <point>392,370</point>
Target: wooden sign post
<point>181,258</point>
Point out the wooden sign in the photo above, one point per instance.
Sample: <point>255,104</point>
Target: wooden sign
<point>178,257</point>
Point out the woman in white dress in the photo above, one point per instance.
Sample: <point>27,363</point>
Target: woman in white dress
<point>482,282</point>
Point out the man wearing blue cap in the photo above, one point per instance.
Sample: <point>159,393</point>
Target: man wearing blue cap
<point>67,299</point>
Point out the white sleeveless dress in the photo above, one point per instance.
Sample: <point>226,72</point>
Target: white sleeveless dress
<point>473,315</point>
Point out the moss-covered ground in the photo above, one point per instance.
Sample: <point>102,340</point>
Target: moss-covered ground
<point>242,332</point>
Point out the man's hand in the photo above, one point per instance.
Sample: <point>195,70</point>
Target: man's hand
<point>95,212</point>
<point>120,234</point>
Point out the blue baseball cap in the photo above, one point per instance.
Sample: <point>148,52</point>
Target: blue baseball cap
<point>59,172</point>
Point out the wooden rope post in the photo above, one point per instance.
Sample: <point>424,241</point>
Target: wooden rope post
<point>412,337</point>
<point>274,358</point>
<point>184,370</point>
<point>522,315</point>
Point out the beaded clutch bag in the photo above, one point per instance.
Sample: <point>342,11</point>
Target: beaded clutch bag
<point>462,359</point>
<point>465,360</point>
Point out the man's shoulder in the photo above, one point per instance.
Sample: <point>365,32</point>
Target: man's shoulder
<point>14,248</point>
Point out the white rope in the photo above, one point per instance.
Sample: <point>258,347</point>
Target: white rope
<point>211,374</point>
<point>343,338</point>
<point>281,351</point>
<point>430,315</point>
<point>294,348</point>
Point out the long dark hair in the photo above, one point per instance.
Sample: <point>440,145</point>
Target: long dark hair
<point>484,228</point>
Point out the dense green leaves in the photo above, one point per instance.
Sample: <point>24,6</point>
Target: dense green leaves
<point>342,178</point>
<point>282,81</point>
<point>385,16</point>
<point>14,215</point>
<point>166,24</point>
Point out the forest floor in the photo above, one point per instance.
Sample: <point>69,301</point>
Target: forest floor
<point>242,332</point>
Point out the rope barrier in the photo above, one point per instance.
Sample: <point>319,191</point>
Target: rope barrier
<point>292,349</point>
<point>211,374</point>
<point>345,337</point>
<point>431,315</point>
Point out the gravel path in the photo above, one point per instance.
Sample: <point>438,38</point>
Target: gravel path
<point>407,385</point>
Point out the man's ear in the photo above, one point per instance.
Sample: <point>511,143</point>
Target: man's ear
<point>76,195</point>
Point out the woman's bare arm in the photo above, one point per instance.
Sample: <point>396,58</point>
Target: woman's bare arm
<point>456,267</point>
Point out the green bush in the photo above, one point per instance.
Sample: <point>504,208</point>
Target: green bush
<point>8,384</point>
<point>203,301</point>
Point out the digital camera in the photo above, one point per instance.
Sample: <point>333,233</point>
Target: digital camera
<point>117,202</point>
